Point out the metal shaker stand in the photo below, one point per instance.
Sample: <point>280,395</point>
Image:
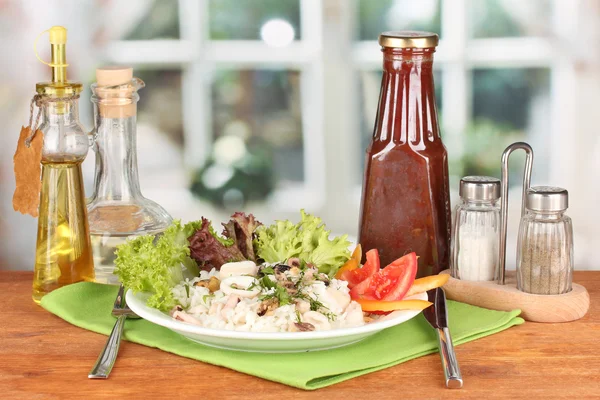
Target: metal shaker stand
<point>504,200</point>
<point>502,294</point>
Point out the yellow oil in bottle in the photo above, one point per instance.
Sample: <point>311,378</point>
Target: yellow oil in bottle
<point>63,251</point>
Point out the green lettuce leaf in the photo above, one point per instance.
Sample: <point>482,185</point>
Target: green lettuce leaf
<point>154,263</point>
<point>307,240</point>
<point>278,242</point>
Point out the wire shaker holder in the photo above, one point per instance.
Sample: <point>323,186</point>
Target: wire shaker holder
<point>504,201</point>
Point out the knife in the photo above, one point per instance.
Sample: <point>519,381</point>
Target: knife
<point>437,317</point>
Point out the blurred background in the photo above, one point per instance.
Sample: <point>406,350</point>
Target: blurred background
<point>268,105</point>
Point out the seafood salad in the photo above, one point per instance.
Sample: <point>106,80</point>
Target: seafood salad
<point>285,277</point>
<point>290,297</point>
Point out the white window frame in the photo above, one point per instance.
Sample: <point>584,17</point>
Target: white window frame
<point>198,57</point>
<point>329,118</point>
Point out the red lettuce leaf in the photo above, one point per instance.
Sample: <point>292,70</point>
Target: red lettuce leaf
<point>211,251</point>
<point>241,229</point>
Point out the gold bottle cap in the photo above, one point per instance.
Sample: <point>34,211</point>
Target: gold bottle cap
<point>58,35</point>
<point>408,39</point>
<point>60,86</point>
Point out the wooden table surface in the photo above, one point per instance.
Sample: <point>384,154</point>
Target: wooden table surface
<point>44,357</point>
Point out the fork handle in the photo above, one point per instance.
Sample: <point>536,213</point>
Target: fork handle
<point>107,358</point>
<point>449,362</point>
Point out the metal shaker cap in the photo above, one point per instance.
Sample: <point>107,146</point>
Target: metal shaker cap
<point>547,198</point>
<point>479,188</point>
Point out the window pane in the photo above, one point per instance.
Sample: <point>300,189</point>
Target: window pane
<point>369,85</point>
<point>510,18</point>
<point>257,130</point>
<point>376,16</point>
<point>160,102</point>
<point>509,105</point>
<point>269,20</point>
<point>159,19</point>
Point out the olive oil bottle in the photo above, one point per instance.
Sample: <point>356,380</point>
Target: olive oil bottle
<point>63,251</point>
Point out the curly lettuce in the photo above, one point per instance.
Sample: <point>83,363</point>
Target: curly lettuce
<point>241,229</point>
<point>210,250</point>
<point>155,264</point>
<point>308,240</point>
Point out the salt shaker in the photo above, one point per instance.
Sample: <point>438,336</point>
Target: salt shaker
<point>476,235</point>
<point>545,245</point>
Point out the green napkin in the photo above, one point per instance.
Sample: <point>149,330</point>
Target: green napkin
<point>88,305</point>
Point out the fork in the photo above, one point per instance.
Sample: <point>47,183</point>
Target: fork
<point>106,359</point>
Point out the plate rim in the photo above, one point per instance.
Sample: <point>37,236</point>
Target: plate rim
<point>165,320</point>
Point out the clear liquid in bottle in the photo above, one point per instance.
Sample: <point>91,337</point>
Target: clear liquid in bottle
<point>103,248</point>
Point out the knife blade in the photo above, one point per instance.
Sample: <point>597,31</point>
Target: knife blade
<point>437,316</point>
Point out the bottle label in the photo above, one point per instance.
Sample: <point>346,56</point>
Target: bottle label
<point>27,167</point>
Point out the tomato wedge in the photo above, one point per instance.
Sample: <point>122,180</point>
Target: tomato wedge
<point>390,283</point>
<point>360,275</point>
<point>405,269</point>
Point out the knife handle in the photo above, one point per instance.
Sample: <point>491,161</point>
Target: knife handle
<point>449,362</point>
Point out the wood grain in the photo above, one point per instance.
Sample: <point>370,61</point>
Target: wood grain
<point>44,357</point>
<point>537,308</point>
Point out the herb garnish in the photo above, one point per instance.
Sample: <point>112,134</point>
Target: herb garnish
<point>283,295</point>
<point>238,287</point>
<point>267,283</point>
<point>316,305</point>
<point>267,271</point>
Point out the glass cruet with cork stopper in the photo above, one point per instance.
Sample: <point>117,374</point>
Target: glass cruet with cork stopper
<point>117,209</point>
<point>477,223</point>
<point>63,251</point>
<point>545,246</point>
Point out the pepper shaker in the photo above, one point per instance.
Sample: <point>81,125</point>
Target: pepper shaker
<point>545,245</point>
<point>476,229</point>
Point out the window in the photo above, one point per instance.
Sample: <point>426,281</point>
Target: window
<point>248,71</point>
<point>297,81</point>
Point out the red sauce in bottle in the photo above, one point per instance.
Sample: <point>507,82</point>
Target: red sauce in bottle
<point>406,201</point>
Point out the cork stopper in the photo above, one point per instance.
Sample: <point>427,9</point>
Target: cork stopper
<point>114,75</point>
<point>116,91</point>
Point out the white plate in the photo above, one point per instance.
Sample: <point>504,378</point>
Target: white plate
<point>276,342</point>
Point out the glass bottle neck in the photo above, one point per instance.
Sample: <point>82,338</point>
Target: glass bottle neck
<point>407,110</point>
<point>116,176</point>
<point>61,112</point>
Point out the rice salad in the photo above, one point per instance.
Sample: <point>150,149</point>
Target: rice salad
<point>290,297</point>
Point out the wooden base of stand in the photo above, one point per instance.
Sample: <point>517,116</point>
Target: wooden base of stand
<point>538,308</point>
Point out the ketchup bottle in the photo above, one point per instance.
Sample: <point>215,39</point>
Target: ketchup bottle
<point>405,200</point>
